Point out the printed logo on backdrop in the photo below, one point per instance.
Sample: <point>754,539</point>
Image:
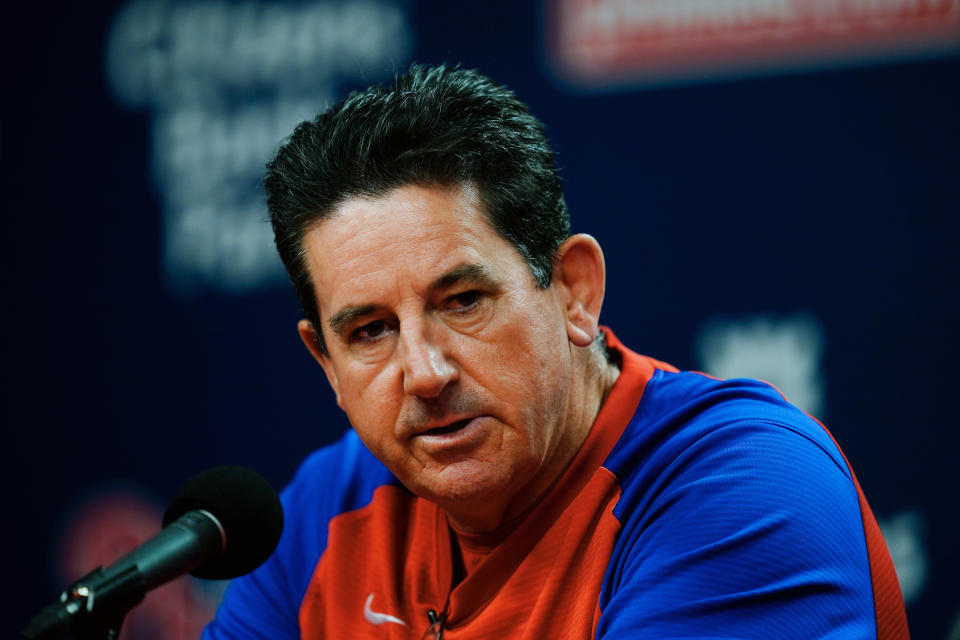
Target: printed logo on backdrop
<point>224,83</point>
<point>787,352</point>
<point>904,533</point>
<point>608,43</point>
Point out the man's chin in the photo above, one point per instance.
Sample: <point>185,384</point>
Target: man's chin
<point>467,490</point>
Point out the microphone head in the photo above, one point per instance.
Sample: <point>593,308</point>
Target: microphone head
<point>247,507</point>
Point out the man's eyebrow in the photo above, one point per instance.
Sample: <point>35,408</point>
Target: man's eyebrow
<point>345,317</point>
<point>475,273</point>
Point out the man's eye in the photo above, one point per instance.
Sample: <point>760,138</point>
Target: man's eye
<point>465,300</point>
<point>370,331</point>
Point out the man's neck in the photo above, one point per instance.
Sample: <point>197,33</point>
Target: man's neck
<point>597,376</point>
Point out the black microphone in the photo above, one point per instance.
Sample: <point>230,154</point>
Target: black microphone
<point>223,523</point>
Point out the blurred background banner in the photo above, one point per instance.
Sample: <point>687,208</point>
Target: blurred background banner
<point>774,182</point>
<point>222,84</point>
<point>598,43</point>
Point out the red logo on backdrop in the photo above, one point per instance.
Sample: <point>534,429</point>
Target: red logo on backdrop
<point>108,526</point>
<point>615,42</point>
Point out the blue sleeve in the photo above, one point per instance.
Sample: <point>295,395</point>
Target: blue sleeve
<point>265,604</point>
<point>753,531</point>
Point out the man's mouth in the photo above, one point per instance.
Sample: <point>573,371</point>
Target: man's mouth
<point>455,439</point>
<point>450,428</point>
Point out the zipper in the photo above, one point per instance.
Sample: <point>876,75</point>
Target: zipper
<point>436,624</point>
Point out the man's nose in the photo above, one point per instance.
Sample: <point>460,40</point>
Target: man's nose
<point>427,368</point>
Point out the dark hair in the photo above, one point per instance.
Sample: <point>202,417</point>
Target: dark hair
<point>434,126</point>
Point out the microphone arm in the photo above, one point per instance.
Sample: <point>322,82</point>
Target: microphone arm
<point>224,522</point>
<point>90,612</point>
<point>93,607</point>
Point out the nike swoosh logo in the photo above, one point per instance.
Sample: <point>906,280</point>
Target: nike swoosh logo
<point>377,618</point>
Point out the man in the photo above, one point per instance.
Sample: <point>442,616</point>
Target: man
<point>514,471</point>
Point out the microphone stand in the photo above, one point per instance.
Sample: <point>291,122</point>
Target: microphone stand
<point>92,608</point>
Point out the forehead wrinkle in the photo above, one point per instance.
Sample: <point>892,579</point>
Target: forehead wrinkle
<point>350,222</point>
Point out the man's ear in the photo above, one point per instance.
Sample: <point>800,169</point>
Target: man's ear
<point>581,270</point>
<point>309,337</point>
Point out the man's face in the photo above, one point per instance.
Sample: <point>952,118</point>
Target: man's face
<point>452,366</point>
